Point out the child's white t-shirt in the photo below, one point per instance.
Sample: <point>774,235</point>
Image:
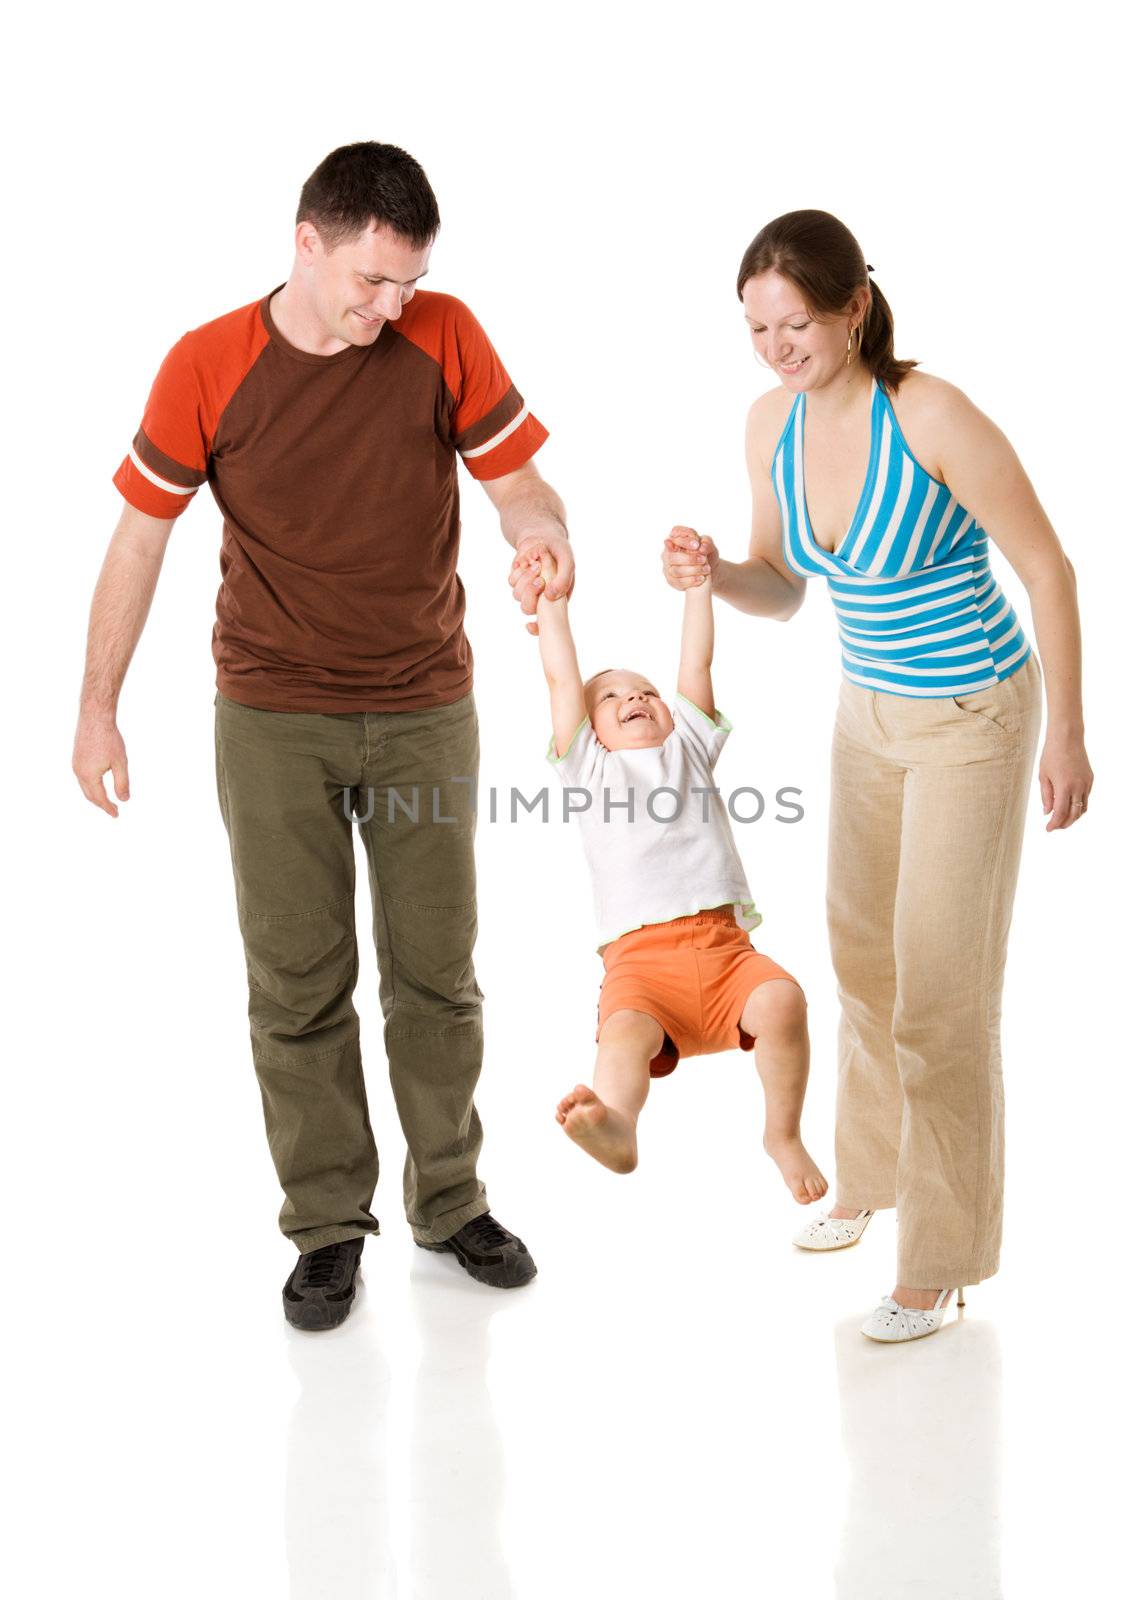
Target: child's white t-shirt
<point>648,870</point>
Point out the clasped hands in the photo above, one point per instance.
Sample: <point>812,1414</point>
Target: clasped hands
<point>546,565</point>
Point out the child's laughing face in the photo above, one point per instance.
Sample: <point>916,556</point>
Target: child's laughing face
<point>626,711</point>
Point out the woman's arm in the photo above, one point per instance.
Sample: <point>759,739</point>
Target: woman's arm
<point>983,472</point>
<point>761,585</point>
<point>560,663</point>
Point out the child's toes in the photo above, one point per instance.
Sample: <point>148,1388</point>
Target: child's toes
<point>578,1098</point>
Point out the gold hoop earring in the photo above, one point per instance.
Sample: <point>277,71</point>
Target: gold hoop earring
<point>850,336</point>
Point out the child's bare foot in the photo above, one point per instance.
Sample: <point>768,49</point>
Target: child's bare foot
<point>806,1182</point>
<point>601,1131</point>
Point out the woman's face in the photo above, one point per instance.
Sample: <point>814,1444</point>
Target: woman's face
<point>803,351</point>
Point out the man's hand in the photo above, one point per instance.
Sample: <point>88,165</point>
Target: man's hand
<point>526,578</point>
<point>688,557</point>
<point>118,611</point>
<point>99,748</point>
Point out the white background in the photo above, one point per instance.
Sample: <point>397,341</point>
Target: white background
<point>681,1403</point>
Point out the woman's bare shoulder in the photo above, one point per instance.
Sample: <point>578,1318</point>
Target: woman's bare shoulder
<point>932,412</point>
<point>766,418</point>
<point>928,400</point>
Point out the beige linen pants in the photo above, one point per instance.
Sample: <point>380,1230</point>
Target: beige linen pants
<point>928,804</point>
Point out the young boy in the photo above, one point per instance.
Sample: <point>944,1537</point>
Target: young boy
<point>682,978</point>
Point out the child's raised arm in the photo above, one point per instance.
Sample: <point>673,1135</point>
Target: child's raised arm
<point>560,663</point>
<point>694,680</point>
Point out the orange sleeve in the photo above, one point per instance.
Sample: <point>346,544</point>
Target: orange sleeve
<point>493,429</point>
<point>167,461</point>
<point>170,456</point>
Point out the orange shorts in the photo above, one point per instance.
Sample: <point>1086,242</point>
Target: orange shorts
<point>693,975</point>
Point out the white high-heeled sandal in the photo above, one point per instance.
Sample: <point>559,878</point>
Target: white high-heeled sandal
<point>891,1323</point>
<point>832,1233</point>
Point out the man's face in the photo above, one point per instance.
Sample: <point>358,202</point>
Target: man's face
<point>361,284</point>
<point>627,712</point>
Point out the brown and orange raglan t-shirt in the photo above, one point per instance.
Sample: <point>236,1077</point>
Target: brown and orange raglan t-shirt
<point>337,483</point>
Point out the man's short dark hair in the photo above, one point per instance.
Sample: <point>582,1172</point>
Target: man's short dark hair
<point>361,185</point>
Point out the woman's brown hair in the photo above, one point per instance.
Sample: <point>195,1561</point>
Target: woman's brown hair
<point>813,250</point>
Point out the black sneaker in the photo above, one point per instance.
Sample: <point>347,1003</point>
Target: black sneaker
<point>319,1291</point>
<point>489,1253</point>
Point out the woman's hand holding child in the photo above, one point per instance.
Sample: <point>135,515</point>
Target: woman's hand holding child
<point>688,558</point>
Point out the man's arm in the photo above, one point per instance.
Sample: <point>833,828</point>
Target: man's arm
<point>694,680</point>
<point>533,519</point>
<point>119,610</point>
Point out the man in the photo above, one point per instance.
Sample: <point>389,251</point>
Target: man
<point>326,418</point>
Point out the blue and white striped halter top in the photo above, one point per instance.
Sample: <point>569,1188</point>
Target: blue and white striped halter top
<point>919,611</point>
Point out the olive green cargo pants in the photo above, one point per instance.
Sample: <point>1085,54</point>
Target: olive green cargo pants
<point>292,786</point>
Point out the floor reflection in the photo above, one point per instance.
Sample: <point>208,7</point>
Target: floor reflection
<point>921,1424</point>
<point>458,1472</point>
<point>342,1494</point>
<point>336,1513</point>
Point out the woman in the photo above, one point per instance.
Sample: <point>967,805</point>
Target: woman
<point>888,482</point>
